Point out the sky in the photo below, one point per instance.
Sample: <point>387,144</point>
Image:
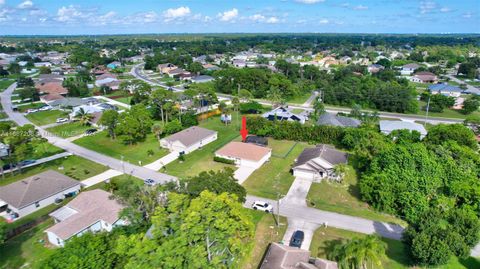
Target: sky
<point>73,17</point>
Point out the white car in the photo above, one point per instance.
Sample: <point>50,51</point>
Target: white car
<point>261,205</point>
<point>32,110</point>
<point>62,120</point>
<point>45,108</point>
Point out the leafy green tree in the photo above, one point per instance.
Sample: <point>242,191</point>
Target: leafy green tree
<point>45,70</point>
<point>471,105</point>
<point>319,108</point>
<point>110,119</point>
<point>134,124</point>
<point>157,130</point>
<point>210,231</point>
<point>364,253</point>
<point>83,117</point>
<point>14,68</point>
<point>468,69</point>
<point>195,68</point>
<point>76,87</point>
<point>3,231</point>
<point>28,93</point>
<point>245,95</point>
<point>214,181</point>
<point>456,132</point>
<point>173,127</point>
<point>473,122</point>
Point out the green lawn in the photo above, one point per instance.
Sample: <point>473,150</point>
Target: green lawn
<point>397,258</point>
<point>344,198</point>
<point>447,113</point>
<point>46,117</point>
<point>5,83</point>
<point>24,108</point>
<point>72,166</point>
<point>101,143</point>
<point>69,129</point>
<point>202,159</point>
<point>44,149</point>
<point>26,248</point>
<point>274,177</point>
<point>266,232</point>
<point>125,100</point>
<point>300,99</point>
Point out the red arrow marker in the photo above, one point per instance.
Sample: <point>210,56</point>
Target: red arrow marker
<point>244,131</point>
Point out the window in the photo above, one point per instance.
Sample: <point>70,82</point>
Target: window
<point>37,204</point>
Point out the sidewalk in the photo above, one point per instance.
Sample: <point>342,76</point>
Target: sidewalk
<point>100,178</point>
<point>112,102</point>
<point>158,164</point>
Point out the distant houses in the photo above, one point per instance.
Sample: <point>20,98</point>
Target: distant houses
<point>388,126</point>
<point>281,113</point>
<point>424,77</point>
<point>90,211</point>
<point>188,140</point>
<point>445,89</point>
<point>28,195</point>
<point>408,69</point>
<point>108,80</point>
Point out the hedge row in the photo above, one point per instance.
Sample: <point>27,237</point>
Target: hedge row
<point>223,160</point>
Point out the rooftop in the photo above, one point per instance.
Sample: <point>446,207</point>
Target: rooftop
<point>190,135</point>
<point>244,151</point>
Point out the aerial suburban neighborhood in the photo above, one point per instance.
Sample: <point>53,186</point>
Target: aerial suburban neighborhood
<point>233,136</point>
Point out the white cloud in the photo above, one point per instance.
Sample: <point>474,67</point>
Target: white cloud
<point>175,13</point>
<point>207,19</point>
<point>272,20</point>
<point>323,21</point>
<point>445,9</point>
<point>427,6</point>
<point>147,17</point>
<point>467,15</point>
<point>360,7</point>
<point>2,2</point>
<point>257,17</point>
<point>309,2</point>
<point>228,15</point>
<point>69,14</point>
<point>25,5</point>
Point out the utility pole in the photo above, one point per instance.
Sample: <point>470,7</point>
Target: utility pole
<point>426,113</point>
<point>237,108</point>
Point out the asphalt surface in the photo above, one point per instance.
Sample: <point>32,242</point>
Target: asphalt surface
<point>470,88</point>
<point>136,71</point>
<point>124,167</point>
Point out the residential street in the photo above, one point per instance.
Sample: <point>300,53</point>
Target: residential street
<point>470,88</point>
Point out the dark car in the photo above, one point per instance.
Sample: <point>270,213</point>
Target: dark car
<point>297,239</point>
<point>26,162</point>
<point>150,182</point>
<point>90,131</point>
<point>8,166</point>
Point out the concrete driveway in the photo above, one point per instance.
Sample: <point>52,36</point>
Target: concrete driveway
<point>308,229</point>
<point>298,192</point>
<point>242,173</point>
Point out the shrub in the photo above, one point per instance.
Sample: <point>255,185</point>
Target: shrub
<point>223,160</point>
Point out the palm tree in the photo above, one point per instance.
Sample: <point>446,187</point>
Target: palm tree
<point>83,117</point>
<point>236,108</point>
<point>157,129</point>
<point>359,253</point>
<point>275,96</point>
<point>318,107</point>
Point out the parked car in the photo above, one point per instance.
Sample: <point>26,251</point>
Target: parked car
<point>61,120</point>
<point>261,205</point>
<point>150,182</point>
<point>26,162</point>
<point>90,131</point>
<point>8,166</point>
<point>45,108</point>
<point>297,239</point>
<point>31,110</point>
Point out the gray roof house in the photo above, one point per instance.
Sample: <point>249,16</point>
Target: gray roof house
<point>282,113</point>
<point>189,139</point>
<point>445,89</point>
<point>335,120</point>
<point>201,79</point>
<point>33,193</point>
<point>319,162</point>
<point>279,256</point>
<point>388,126</point>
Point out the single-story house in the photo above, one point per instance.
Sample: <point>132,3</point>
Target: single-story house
<point>211,67</point>
<point>282,113</point>
<point>91,109</point>
<point>109,80</point>
<point>165,68</point>
<point>445,89</point>
<point>375,68</point>
<point>189,139</point>
<point>177,72</point>
<point>280,256</point>
<point>4,149</point>
<point>43,64</point>
<point>388,126</point>
<point>239,63</point>
<point>408,69</point>
<point>319,162</point>
<point>90,211</point>
<point>335,120</point>
<point>52,90</point>
<point>202,79</point>
<point>424,77</point>
<point>28,195</point>
<point>245,154</point>
<point>114,65</point>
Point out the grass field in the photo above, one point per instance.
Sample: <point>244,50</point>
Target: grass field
<point>24,108</point>
<point>447,113</point>
<point>5,83</point>
<point>69,129</point>
<point>26,248</point>
<point>46,117</point>
<point>300,99</point>
<point>266,232</point>
<point>72,166</point>
<point>344,198</point>
<point>125,100</point>
<point>202,159</point>
<point>44,149</point>
<point>274,176</point>
<point>397,258</point>
<point>101,143</point>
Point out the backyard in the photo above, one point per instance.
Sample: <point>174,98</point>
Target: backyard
<point>72,166</point>
<point>145,152</point>
<point>344,198</point>
<point>202,159</point>
<point>46,117</point>
<point>274,177</point>
<point>397,258</point>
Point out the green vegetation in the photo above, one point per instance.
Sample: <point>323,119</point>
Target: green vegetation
<point>72,166</point>
<point>101,143</point>
<point>300,99</point>
<point>344,198</point>
<point>274,177</point>
<point>5,83</point>
<point>46,117</point>
<point>24,108</point>
<point>69,129</point>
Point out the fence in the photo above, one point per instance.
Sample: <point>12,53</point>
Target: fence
<point>24,227</point>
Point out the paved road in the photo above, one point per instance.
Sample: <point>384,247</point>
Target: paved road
<point>136,71</point>
<point>125,167</point>
<point>470,88</point>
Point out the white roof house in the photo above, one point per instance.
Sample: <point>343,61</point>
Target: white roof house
<point>282,113</point>
<point>90,211</point>
<point>189,139</point>
<point>388,126</point>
